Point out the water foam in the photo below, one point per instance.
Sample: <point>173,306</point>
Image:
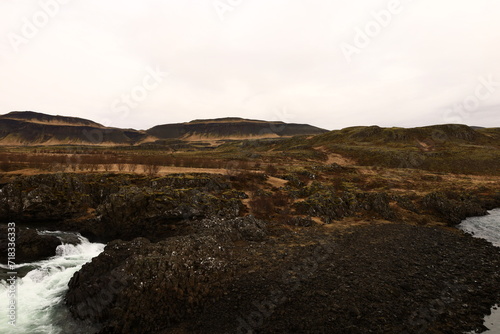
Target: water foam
<point>40,293</point>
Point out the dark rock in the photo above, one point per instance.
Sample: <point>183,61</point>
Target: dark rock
<point>137,276</point>
<point>69,238</point>
<point>332,205</point>
<point>105,207</point>
<point>53,197</point>
<point>388,278</point>
<point>453,207</point>
<point>157,213</point>
<point>300,221</point>
<point>30,246</point>
<point>205,182</point>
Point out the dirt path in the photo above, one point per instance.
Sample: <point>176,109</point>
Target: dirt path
<point>114,169</point>
<point>336,158</point>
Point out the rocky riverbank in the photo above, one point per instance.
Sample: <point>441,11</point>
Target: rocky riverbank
<point>373,279</point>
<point>108,207</point>
<point>184,256</point>
<point>239,276</point>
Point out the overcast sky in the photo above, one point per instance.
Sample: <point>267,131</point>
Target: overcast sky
<point>330,63</point>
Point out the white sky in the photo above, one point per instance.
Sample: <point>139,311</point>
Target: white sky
<point>267,59</point>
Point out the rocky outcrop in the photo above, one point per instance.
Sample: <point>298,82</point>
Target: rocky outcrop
<point>331,205</point>
<point>106,207</point>
<point>155,212</point>
<point>54,197</point>
<point>454,207</point>
<point>30,246</point>
<point>389,278</point>
<point>122,286</point>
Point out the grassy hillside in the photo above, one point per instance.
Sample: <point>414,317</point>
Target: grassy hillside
<point>445,148</point>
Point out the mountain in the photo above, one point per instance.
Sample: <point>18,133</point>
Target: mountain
<point>231,128</point>
<point>32,128</point>
<point>35,117</point>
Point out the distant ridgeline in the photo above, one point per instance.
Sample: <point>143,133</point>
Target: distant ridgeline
<point>31,128</point>
<point>232,128</point>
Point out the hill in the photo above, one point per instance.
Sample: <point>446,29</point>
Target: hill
<point>35,117</point>
<point>232,128</point>
<point>446,148</point>
<point>31,128</point>
<point>397,136</point>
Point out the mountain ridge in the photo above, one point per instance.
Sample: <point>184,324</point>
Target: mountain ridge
<point>36,117</point>
<point>232,128</point>
<point>33,128</point>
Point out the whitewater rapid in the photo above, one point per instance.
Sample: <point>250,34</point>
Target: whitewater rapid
<point>41,291</point>
<point>486,227</point>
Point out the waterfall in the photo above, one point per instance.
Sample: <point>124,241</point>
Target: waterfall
<point>40,292</point>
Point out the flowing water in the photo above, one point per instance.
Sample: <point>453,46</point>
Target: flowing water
<point>486,227</point>
<point>40,290</point>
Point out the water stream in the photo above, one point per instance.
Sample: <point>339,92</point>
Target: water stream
<point>41,287</point>
<point>486,227</point>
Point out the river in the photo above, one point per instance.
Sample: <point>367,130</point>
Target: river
<point>486,227</point>
<point>40,290</point>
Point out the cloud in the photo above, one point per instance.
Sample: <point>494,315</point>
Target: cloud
<point>263,58</point>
